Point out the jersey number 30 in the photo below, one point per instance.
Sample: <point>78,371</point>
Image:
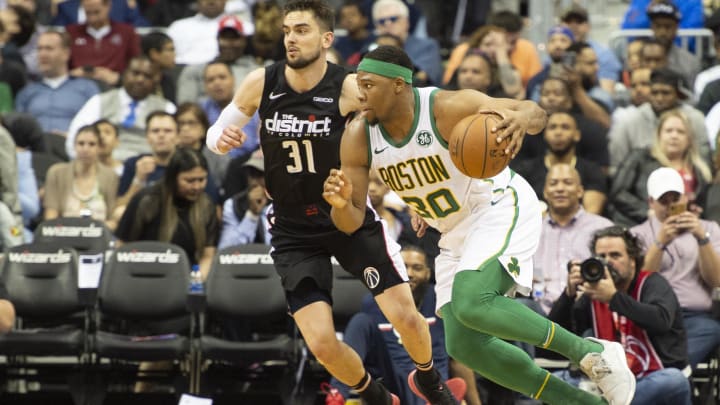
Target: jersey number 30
<point>297,166</point>
<point>440,202</point>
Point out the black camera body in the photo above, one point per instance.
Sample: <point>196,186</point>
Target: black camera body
<point>592,270</point>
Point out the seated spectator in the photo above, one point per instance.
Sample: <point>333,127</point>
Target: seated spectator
<point>56,97</point>
<point>7,311</point>
<point>566,232</point>
<point>653,54</point>
<point>556,96</point>
<point>398,221</point>
<point>576,18</point>
<point>561,137</point>
<point>82,187</point>
<point>11,222</point>
<point>192,126</point>
<point>245,213</point>
<point>664,19</point>
<point>194,36</point>
<point>379,347</point>
<point>110,140</point>
<point>685,250</point>
<point>101,49</point>
<point>586,66</point>
<point>123,11</point>
<point>493,46</point>
<point>266,43</point>
<point>356,23</point>
<point>674,147</point>
<point>523,55</point>
<point>559,40</point>
<point>391,17</point>
<point>634,307</point>
<point>159,48</point>
<point>232,45</point>
<point>127,107</point>
<point>176,210</point>
<point>161,13</point>
<point>639,83</point>
<point>22,27</point>
<point>635,130</point>
<point>476,72</point>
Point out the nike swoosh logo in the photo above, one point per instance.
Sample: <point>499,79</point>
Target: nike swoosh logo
<point>379,150</point>
<point>274,96</point>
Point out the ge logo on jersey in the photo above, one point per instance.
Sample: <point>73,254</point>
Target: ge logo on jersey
<point>424,138</point>
<point>372,277</point>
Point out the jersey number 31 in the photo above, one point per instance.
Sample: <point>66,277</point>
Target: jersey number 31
<point>297,166</point>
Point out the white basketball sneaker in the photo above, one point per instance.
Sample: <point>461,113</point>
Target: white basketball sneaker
<point>609,370</point>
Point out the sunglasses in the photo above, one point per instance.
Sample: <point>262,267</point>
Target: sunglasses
<point>391,19</point>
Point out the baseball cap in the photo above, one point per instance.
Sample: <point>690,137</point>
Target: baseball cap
<point>574,12</point>
<point>559,29</point>
<point>663,9</point>
<point>664,180</point>
<point>230,22</point>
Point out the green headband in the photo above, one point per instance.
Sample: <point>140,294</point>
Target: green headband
<point>386,69</point>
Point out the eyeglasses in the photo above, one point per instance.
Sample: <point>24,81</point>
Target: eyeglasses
<point>385,20</point>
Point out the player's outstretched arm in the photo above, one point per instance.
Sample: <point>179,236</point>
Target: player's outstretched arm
<point>226,133</point>
<point>346,189</point>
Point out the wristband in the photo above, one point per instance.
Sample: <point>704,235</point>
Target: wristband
<point>230,115</point>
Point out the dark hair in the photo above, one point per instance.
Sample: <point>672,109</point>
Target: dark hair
<point>506,19</point>
<point>217,62</point>
<point>391,54</point>
<point>64,37</point>
<point>156,114</point>
<point>324,14</point>
<point>418,249</point>
<point>25,130</point>
<point>90,128</point>
<point>155,40</point>
<point>633,244</point>
<point>199,113</point>
<point>578,47</point>
<point>183,160</point>
<point>107,122</point>
<point>26,21</point>
<point>358,4</point>
<point>667,76</point>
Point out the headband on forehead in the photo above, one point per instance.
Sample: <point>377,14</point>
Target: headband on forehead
<point>386,69</point>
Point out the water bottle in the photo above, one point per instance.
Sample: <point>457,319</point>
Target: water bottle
<point>196,282</point>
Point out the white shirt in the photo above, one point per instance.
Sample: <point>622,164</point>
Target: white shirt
<point>195,39</point>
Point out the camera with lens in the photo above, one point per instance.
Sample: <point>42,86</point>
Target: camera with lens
<point>592,270</point>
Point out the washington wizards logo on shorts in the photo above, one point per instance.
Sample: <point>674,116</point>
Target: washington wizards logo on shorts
<point>372,277</point>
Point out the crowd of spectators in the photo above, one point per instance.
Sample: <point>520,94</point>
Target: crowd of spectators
<point>105,104</point>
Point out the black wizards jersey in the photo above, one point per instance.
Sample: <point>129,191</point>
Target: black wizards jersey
<point>300,136</point>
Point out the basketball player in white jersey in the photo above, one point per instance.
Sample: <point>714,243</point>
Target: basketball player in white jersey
<point>490,228</point>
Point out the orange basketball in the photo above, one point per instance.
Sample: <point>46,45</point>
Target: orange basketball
<point>474,149</point>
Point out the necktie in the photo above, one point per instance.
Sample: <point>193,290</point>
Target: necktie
<point>129,120</point>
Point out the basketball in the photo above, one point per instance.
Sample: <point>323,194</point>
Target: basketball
<point>474,149</point>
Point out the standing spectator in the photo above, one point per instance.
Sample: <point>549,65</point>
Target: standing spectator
<point>353,19</point>
<point>127,107</point>
<point>636,308</point>
<point>101,49</point>
<point>674,146</point>
<point>566,232</point>
<point>159,48</point>
<point>561,136</point>
<point>635,129</point>
<point>194,36</point>
<point>122,11</point>
<point>83,186</point>
<point>576,18</point>
<point>683,249</point>
<point>232,45</point>
<point>57,97</point>
<point>391,17</point>
<point>176,210</point>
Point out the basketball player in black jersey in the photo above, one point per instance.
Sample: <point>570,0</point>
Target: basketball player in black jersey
<point>303,104</point>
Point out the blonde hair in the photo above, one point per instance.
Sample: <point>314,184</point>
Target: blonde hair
<point>692,156</point>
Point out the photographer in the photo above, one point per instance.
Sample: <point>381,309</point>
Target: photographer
<point>686,251</point>
<point>637,308</point>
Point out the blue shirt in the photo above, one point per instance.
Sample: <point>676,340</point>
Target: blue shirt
<point>252,143</point>
<point>54,108</point>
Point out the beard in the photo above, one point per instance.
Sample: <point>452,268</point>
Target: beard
<point>562,150</point>
<point>303,62</point>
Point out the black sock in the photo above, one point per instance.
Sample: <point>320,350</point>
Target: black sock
<point>374,392</point>
<point>427,376</point>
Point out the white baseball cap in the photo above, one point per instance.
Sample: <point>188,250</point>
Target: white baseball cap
<point>663,180</point>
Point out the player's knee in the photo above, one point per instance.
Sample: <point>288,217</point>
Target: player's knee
<point>472,311</point>
<point>324,346</point>
<point>409,323</point>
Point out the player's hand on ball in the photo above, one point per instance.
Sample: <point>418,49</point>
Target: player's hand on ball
<point>337,189</point>
<point>514,126</point>
<point>418,224</point>
<point>232,137</point>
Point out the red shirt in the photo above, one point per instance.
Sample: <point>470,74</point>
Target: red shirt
<point>112,51</point>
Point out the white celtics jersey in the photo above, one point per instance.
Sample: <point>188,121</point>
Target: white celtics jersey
<point>420,171</point>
